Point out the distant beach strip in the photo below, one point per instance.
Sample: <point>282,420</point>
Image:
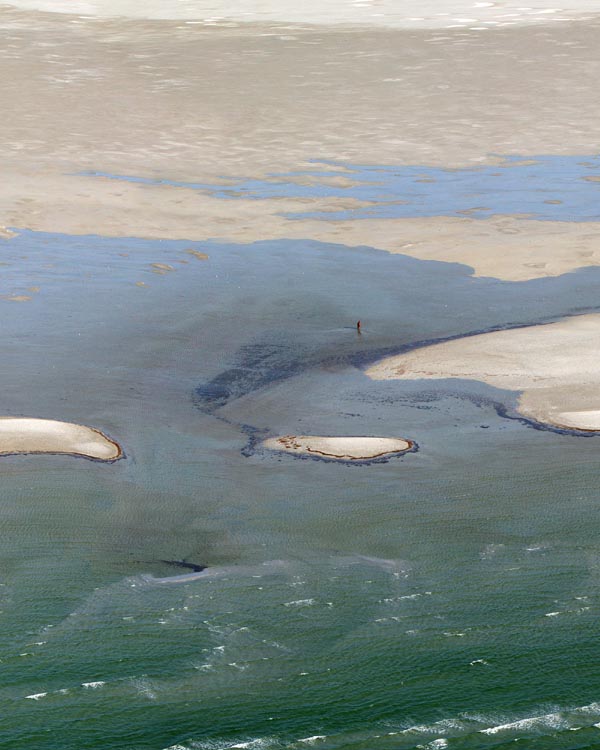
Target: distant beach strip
<point>30,435</point>
<point>340,448</point>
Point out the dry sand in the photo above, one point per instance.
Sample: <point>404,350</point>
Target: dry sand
<point>179,101</point>
<point>388,13</point>
<point>342,448</point>
<point>29,435</point>
<point>166,99</point>
<point>555,366</point>
<point>172,100</point>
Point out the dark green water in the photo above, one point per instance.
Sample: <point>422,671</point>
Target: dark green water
<point>448,598</point>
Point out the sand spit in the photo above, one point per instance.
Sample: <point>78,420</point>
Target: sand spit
<point>29,435</point>
<point>556,366</point>
<point>339,448</point>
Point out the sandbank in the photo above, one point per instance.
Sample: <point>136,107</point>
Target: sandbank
<point>555,366</point>
<point>432,14</point>
<point>29,435</point>
<point>417,86</point>
<point>339,448</point>
<point>503,247</point>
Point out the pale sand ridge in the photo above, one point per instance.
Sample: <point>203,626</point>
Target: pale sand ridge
<point>433,14</point>
<point>556,366</point>
<point>341,448</point>
<point>29,435</point>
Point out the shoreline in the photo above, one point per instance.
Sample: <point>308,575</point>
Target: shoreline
<point>33,436</point>
<point>345,449</point>
<point>551,365</point>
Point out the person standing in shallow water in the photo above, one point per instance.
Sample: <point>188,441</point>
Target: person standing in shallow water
<point>358,326</point>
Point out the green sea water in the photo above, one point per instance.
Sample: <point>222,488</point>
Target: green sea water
<point>447,598</point>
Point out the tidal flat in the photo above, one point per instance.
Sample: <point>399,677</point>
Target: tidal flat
<point>195,216</point>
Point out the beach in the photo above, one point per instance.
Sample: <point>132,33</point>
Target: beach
<point>553,365</point>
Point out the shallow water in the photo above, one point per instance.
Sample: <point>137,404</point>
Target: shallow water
<point>552,188</point>
<point>446,596</point>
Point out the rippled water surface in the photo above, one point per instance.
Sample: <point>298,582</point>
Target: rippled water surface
<point>446,598</point>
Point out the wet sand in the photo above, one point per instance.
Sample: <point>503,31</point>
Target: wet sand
<point>555,366</point>
<point>378,96</point>
<point>504,247</point>
<point>29,435</point>
<point>340,448</point>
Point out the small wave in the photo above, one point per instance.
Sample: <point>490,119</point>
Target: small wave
<point>300,603</point>
<point>145,688</point>
<point>404,598</point>
<point>546,721</point>
<point>490,551</point>
<point>93,685</point>
<point>36,696</point>
<point>313,739</point>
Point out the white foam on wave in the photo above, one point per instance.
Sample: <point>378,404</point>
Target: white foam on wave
<point>545,721</point>
<point>439,734</point>
<point>93,685</point>
<point>444,726</point>
<point>36,696</point>
<point>313,739</point>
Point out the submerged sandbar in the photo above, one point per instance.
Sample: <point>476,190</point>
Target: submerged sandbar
<point>30,435</point>
<point>339,448</point>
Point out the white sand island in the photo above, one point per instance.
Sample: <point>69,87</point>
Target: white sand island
<point>556,366</point>
<point>339,448</point>
<point>29,435</point>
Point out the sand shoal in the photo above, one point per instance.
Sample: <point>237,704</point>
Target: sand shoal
<point>30,435</point>
<point>503,247</point>
<point>385,13</point>
<point>341,448</point>
<point>555,366</point>
<point>203,103</point>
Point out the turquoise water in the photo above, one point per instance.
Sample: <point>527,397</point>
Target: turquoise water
<point>447,598</point>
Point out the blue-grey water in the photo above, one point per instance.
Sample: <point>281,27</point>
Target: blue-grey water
<point>446,598</point>
<point>557,188</point>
